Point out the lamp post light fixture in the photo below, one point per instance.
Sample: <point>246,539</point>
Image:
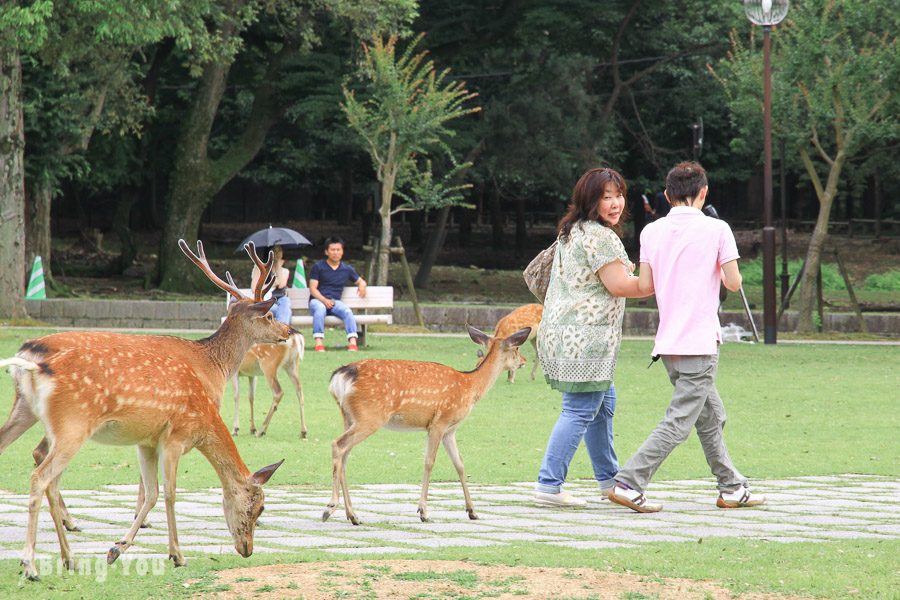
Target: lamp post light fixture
<point>767,13</point>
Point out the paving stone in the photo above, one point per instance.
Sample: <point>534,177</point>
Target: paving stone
<point>591,545</point>
<point>376,550</point>
<point>304,541</point>
<point>583,530</point>
<point>514,536</point>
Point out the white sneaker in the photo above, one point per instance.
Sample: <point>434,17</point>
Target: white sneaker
<point>741,498</point>
<point>563,499</point>
<point>633,499</point>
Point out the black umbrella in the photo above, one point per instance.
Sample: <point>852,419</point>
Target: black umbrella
<point>275,236</point>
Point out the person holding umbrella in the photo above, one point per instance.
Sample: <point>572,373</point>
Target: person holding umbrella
<point>326,284</point>
<point>282,308</point>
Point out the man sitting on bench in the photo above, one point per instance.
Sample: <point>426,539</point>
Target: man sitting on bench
<point>326,284</point>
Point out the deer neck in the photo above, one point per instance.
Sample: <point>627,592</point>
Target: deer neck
<point>483,377</point>
<point>219,449</point>
<point>226,348</point>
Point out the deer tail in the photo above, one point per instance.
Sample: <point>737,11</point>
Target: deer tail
<point>342,381</point>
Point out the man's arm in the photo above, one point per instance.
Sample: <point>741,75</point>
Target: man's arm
<point>315,293</point>
<point>361,287</point>
<point>645,280</point>
<point>731,276</point>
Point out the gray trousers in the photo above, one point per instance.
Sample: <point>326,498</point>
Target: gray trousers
<point>695,403</point>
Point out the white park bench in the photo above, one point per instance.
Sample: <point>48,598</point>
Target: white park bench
<point>376,307</point>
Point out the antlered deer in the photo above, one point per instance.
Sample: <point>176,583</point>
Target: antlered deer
<point>265,360</point>
<point>159,393</point>
<point>528,315</point>
<point>409,395</point>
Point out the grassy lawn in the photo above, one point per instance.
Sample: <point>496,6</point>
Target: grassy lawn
<point>793,410</point>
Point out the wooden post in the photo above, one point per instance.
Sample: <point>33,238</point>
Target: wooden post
<point>853,302</point>
<point>409,280</point>
<point>819,301</point>
<point>786,301</point>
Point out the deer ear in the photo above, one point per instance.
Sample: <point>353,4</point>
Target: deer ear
<point>264,306</point>
<point>518,338</point>
<point>263,475</point>
<point>479,337</point>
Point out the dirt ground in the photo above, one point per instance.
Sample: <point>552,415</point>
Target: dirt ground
<point>456,579</point>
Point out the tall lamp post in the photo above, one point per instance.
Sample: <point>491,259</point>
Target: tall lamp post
<point>767,13</point>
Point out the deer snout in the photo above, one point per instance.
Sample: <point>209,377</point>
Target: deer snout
<point>244,548</point>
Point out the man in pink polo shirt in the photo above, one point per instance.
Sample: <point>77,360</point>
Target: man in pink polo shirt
<point>684,256</point>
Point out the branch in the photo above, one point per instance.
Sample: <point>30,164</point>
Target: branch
<point>813,176</point>
<point>819,148</point>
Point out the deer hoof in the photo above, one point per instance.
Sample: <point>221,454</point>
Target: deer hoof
<point>177,561</point>
<point>352,518</point>
<point>253,431</point>
<point>472,514</point>
<point>302,435</point>
<point>261,434</point>
<point>328,512</point>
<point>113,554</point>
<point>146,525</point>
<point>71,526</point>
<point>423,515</point>
<point>235,432</point>
<point>29,571</point>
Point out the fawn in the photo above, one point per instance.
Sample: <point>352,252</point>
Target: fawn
<point>159,393</point>
<point>265,360</point>
<point>528,315</point>
<point>410,395</point>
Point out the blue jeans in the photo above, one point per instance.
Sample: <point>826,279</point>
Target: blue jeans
<point>282,310</point>
<point>339,310</point>
<point>587,415</point>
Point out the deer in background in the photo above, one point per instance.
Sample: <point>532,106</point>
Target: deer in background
<point>159,393</point>
<point>528,315</point>
<point>264,360</point>
<point>408,395</point>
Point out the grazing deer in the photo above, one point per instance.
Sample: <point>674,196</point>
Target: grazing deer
<point>528,315</point>
<point>265,360</point>
<point>408,395</point>
<point>159,393</point>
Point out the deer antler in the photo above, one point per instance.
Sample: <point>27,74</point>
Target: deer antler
<point>266,276</point>
<point>199,259</point>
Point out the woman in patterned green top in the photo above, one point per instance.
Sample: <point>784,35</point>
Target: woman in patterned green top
<point>581,331</point>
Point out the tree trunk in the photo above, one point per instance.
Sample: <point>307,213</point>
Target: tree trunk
<point>496,218</point>
<point>384,249</point>
<point>196,178</point>
<point>121,224</point>
<point>345,205</point>
<point>521,233</point>
<point>12,187</point>
<point>432,248</point>
<point>39,197</point>
<point>807,300</point>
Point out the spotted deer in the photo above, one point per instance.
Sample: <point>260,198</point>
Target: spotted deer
<point>408,395</point>
<point>159,393</point>
<point>264,360</point>
<point>528,315</point>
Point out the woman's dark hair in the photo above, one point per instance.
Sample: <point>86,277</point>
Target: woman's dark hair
<point>586,199</point>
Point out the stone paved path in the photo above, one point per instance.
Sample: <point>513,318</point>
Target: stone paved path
<point>799,509</point>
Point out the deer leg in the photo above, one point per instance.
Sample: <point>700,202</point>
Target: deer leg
<point>292,373</point>
<point>54,499</point>
<point>277,395</point>
<point>19,421</point>
<point>149,461</point>
<point>44,474</point>
<point>252,386</point>
<point>453,453</point>
<point>536,359</point>
<point>145,523</point>
<point>511,376</point>
<point>236,386</point>
<point>431,448</point>
<point>170,470</point>
<point>339,450</point>
<point>39,454</point>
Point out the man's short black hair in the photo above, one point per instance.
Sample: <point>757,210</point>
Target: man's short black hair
<point>335,239</point>
<point>684,181</point>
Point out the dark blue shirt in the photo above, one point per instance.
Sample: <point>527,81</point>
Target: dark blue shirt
<point>332,281</point>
